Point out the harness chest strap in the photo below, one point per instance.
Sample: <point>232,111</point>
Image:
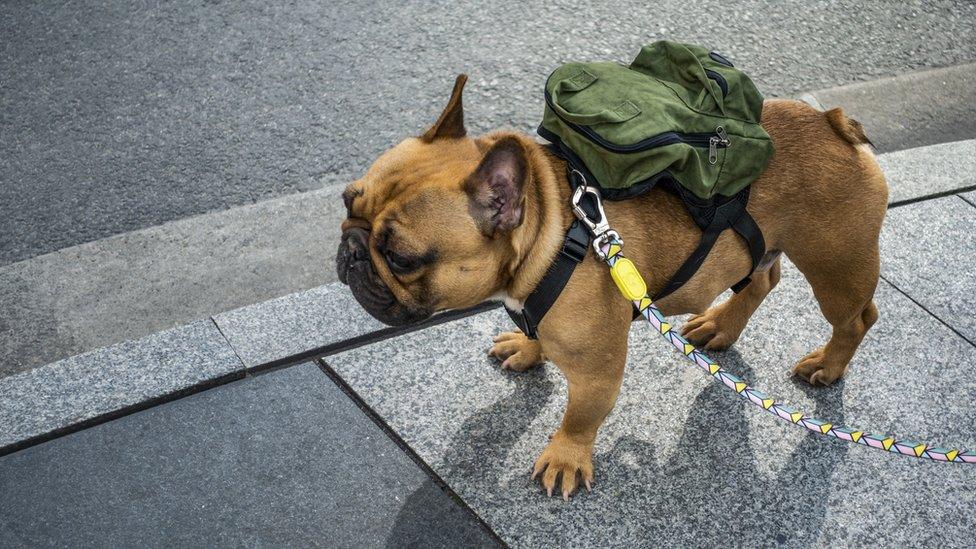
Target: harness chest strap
<point>547,291</point>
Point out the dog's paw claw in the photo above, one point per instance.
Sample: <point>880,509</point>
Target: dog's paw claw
<point>815,369</point>
<point>562,464</point>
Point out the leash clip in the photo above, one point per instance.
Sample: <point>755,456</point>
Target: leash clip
<point>600,228</point>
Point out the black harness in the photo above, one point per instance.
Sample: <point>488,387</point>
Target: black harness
<point>712,216</point>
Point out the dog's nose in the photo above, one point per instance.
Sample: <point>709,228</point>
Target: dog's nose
<point>357,241</point>
<point>353,250</point>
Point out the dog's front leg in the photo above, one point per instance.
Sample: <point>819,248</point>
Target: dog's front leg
<point>594,378</point>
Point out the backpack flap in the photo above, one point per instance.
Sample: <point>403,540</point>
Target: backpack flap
<point>677,67</point>
<point>704,80</point>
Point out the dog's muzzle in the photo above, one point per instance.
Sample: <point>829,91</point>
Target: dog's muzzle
<point>355,268</point>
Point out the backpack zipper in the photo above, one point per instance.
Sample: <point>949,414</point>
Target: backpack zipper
<point>711,140</point>
<point>721,138</point>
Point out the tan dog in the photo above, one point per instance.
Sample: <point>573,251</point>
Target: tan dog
<point>446,221</point>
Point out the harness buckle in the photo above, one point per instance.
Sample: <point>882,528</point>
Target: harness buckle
<point>576,243</point>
<point>599,228</point>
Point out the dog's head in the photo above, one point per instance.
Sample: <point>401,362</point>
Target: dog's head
<point>429,225</point>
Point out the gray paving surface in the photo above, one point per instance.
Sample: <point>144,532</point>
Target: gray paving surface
<point>929,249</point>
<point>83,387</point>
<point>970,197</point>
<point>131,285</point>
<point>282,459</point>
<point>123,115</point>
<point>913,109</point>
<point>924,171</point>
<point>681,459</point>
<point>296,323</point>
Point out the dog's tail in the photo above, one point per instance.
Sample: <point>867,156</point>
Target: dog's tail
<point>851,130</point>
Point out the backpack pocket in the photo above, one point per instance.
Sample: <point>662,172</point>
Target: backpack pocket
<point>583,79</point>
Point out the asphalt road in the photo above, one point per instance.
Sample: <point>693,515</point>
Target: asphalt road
<point>120,115</point>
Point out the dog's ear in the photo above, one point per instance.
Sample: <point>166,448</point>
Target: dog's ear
<point>451,122</point>
<point>495,189</point>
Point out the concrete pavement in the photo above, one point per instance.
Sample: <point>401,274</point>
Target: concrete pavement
<point>117,116</point>
<point>124,115</point>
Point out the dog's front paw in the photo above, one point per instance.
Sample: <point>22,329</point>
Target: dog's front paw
<point>565,459</point>
<point>713,330</point>
<point>516,351</point>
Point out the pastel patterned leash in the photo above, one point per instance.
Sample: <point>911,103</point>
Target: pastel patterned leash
<point>633,287</point>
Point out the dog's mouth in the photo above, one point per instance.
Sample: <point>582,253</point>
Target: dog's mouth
<point>355,269</point>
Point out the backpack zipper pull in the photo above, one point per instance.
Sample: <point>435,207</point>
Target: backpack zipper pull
<point>720,138</point>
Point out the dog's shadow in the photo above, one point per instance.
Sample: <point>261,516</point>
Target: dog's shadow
<point>709,491</point>
<point>480,445</point>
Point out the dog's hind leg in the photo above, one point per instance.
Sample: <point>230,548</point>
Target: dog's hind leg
<point>830,230</point>
<point>843,277</point>
<point>845,292</point>
<point>720,326</point>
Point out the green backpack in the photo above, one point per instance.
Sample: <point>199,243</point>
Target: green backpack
<point>678,111</point>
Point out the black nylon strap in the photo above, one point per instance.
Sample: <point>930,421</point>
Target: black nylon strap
<point>694,261</point>
<point>547,291</point>
<point>746,227</point>
<point>731,214</point>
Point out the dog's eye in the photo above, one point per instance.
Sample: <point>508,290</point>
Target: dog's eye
<point>398,263</point>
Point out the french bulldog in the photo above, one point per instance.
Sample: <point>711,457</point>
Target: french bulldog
<point>447,221</point>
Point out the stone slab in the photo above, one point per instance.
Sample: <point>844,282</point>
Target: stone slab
<point>84,388</point>
<point>293,324</point>
<point>681,460</point>
<point>931,170</point>
<point>314,322</point>
<point>912,109</point>
<point>969,197</point>
<point>282,459</point>
<point>927,251</point>
<point>131,285</point>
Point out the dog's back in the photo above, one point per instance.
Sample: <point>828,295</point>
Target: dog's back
<point>824,171</point>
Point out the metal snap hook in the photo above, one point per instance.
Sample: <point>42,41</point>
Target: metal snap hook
<point>599,228</point>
